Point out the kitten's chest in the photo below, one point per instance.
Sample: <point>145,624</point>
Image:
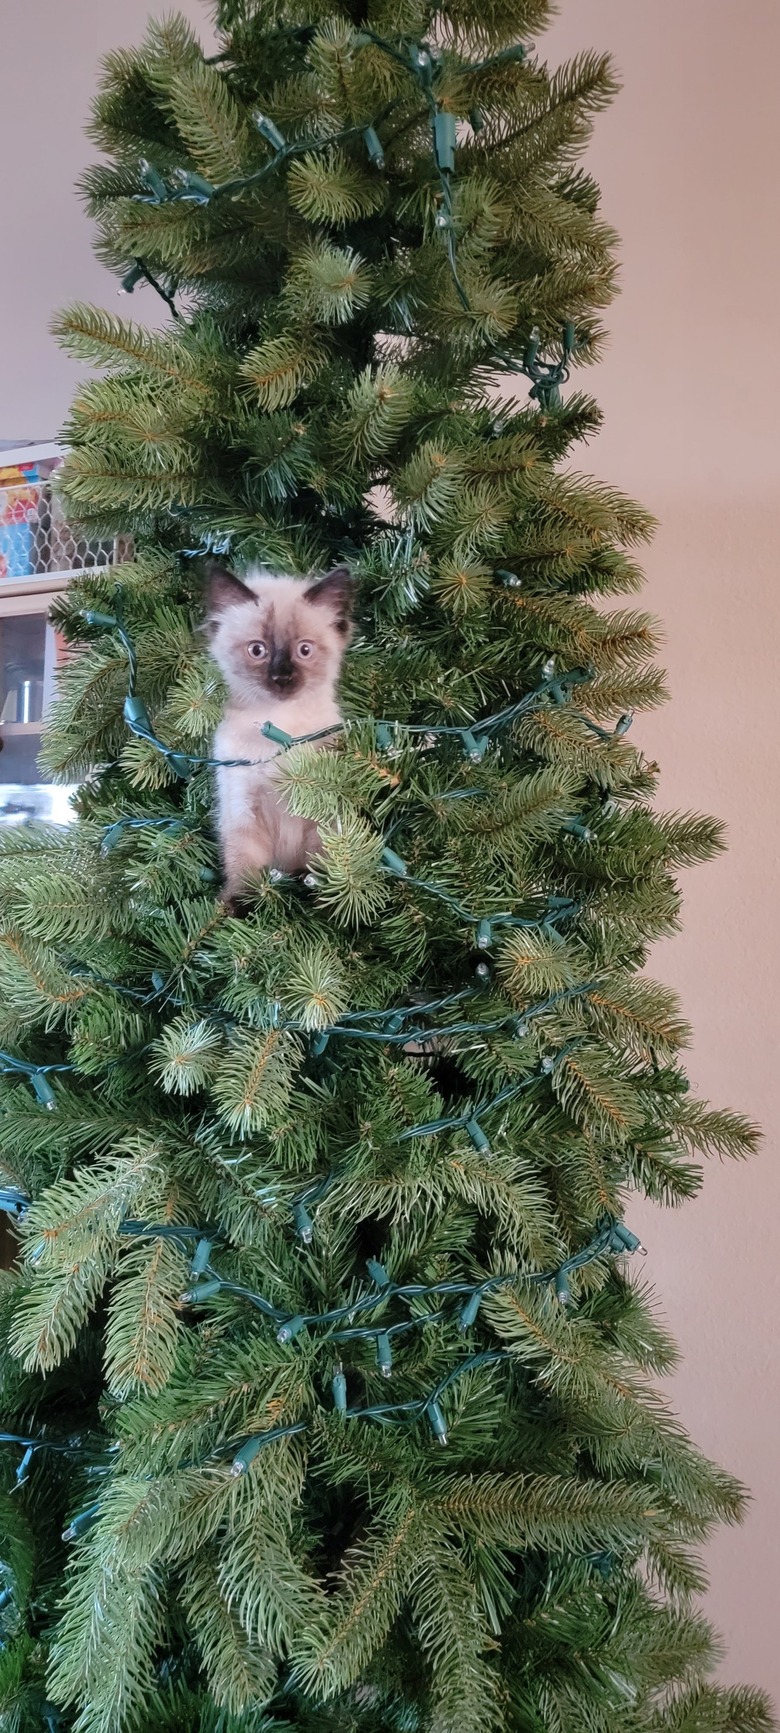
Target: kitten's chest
<point>239,736</point>
<point>246,788</point>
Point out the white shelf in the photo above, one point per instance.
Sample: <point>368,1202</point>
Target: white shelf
<point>45,582</point>
<point>44,453</point>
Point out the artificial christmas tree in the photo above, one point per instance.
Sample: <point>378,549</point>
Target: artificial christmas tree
<point>323,1351</point>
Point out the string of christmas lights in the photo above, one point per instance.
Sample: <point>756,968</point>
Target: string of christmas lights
<point>611,1237</point>
<point>392,1021</point>
<point>424,63</point>
<point>475,741</point>
<point>388,733</point>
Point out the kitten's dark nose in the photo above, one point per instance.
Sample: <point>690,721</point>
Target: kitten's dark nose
<point>280,669</point>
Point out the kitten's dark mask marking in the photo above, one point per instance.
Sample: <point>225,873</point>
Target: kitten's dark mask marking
<point>278,673</point>
<point>280,667</point>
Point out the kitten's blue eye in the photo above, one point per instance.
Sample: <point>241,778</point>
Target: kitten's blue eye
<point>305,649</point>
<point>257,650</point>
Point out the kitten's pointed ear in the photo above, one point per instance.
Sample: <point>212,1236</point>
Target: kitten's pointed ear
<point>336,591</point>
<point>224,589</point>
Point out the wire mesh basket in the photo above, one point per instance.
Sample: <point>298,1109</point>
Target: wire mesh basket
<point>35,537</point>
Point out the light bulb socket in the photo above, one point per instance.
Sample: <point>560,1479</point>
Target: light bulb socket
<point>194,186</point>
<point>444,140</point>
<point>154,180</point>
<point>532,348</point>
<point>384,1354</point>
<point>81,1523</point>
<point>291,1328</point>
<point>373,144</point>
<point>475,746</point>
<point>623,1240</point>
<point>243,1459</point>
<point>136,713</point>
<point>21,1472</point>
<point>271,732</point>
<point>200,1257</point>
<point>180,763</point>
<point>438,1422</point>
<point>470,1311</point>
<point>477,1136</point>
<point>202,1291</point>
<point>130,280</point>
<point>269,131</point>
<point>304,1226</point>
<point>394,863</point>
<point>43,1090</point>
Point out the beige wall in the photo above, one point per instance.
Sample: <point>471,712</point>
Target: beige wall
<point>688,159</point>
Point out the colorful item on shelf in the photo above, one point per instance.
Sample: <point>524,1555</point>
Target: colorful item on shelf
<point>20,498</point>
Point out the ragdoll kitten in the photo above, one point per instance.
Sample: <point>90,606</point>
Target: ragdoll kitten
<point>279,643</point>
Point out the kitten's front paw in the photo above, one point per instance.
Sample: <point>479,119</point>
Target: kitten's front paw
<point>234,899</point>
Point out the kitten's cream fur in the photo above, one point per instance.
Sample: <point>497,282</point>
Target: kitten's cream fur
<point>298,629</point>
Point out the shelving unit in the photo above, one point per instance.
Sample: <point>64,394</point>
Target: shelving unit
<point>39,554</point>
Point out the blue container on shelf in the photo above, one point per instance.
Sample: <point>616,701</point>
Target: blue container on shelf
<point>16,550</point>
<point>19,505</point>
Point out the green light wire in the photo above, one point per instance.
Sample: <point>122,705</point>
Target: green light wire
<point>462,1121</point>
<point>422,63</point>
<point>195,189</point>
<point>137,717</point>
<point>381,1411</point>
<point>611,1236</point>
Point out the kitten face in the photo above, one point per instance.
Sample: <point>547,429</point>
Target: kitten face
<point>275,637</point>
